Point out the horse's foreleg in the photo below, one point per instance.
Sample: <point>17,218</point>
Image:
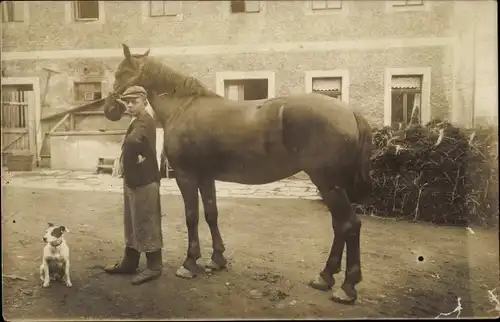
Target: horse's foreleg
<point>208,197</point>
<point>189,190</point>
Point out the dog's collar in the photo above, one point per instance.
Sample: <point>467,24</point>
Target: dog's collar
<point>55,245</point>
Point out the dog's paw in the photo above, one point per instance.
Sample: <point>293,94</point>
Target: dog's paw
<point>46,284</point>
<point>68,284</point>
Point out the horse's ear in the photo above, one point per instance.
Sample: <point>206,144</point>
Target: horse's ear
<point>126,52</point>
<point>50,224</point>
<point>146,53</point>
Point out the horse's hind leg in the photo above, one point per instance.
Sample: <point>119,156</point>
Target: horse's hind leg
<point>208,197</point>
<point>188,185</point>
<point>346,227</point>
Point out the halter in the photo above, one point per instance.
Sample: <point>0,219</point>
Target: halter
<point>116,93</point>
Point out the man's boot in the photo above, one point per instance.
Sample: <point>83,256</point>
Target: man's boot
<point>153,270</point>
<point>128,264</point>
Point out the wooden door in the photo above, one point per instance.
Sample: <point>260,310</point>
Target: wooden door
<point>18,120</point>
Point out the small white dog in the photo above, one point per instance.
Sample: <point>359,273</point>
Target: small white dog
<point>55,257</point>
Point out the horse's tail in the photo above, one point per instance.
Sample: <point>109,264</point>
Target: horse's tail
<point>362,181</point>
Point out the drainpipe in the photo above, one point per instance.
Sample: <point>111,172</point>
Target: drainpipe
<point>472,113</point>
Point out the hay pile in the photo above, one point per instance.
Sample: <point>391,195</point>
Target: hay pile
<point>437,173</point>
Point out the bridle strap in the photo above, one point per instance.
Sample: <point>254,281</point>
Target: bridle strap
<point>116,93</point>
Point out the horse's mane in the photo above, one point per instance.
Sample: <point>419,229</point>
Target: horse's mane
<point>166,80</point>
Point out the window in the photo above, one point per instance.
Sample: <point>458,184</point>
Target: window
<point>330,86</point>
<point>333,83</point>
<point>88,91</point>
<point>246,89</point>
<point>326,4</point>
<point>86,10</point>
<point>12,11</point>
<point>238,6</point>
<point>164,8</point>
<point>404,3</point>
<point>406,92</point>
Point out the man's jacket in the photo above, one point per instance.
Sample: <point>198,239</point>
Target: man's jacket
<point>140,140</point>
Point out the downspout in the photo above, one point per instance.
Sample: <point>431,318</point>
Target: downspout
<point>474,62</point>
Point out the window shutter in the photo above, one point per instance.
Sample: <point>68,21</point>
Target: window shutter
<point>172,8</point>
<point>413,82</point>
<point>155,8</point>
<point>334,4</point>
<point>327,84</point>
<point>252,6</point>
<point>319,4</point>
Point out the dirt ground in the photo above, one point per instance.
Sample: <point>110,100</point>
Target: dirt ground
<point>274,247</point>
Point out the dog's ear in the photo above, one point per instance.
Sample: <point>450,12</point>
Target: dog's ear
<point>50,224</point>
<point>64,229</point>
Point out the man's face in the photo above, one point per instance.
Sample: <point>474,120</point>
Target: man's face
<point>135,106</point>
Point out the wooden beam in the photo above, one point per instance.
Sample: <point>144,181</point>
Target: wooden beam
<point>71,121</point>
<point>14,141</point>
<point>85,113</point>
<point>88,133</point>
<point>75,109</point>
<point>59,123</point>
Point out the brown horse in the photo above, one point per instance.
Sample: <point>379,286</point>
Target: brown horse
<point>208,138</point>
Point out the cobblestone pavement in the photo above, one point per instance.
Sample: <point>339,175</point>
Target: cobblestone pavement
<point>85,181</point>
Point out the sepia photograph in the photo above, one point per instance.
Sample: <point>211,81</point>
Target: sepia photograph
<point>235,160</point>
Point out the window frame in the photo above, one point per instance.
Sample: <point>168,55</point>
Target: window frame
<point>390,7</point>
<point>221,77</point>
<point>25,16</point>
<point>405,93</point>
<point>260,5</point>
<point>326,5</point>
<point>425,108</point>
<point>150,15</point>
<point>343,74</point>
<point>146,13</point>
<point>75,9</point>
<point>70,14</point>
<point>343,11</point>
<point>76,82</point>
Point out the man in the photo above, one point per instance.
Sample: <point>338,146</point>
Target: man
<point>141,192</point>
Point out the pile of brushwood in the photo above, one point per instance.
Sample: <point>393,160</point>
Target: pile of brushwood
<point>437,173</point>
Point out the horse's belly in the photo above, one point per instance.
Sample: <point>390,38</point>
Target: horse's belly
<point>257,171</point>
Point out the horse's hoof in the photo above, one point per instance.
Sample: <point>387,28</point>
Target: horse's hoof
<point>320,284</point>
<point>183,272</point>
<point>213,266</point>
<point>345,295</point>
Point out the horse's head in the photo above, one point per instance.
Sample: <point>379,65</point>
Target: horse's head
<point>129,73</point>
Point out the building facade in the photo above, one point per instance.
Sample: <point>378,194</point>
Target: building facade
<point>398,61</point>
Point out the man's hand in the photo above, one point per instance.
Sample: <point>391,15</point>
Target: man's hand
<point>140,158</point>
<point>122,103</point>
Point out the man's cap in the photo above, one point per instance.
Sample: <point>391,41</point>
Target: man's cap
<point>134,92</point>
